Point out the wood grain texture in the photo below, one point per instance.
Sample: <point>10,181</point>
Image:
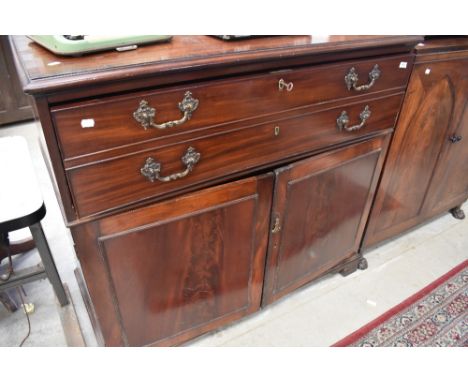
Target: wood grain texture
<point>182,267</point>
<point>441,44</point>
<point>106,324</point>
<point>118,182</point>
<point>321,204</point>
<point>424,173</point>
<point>168,140</point>
<point>220,102</point>
<point>449,183</point>
<point>191,54</point>
<point>53,159</point>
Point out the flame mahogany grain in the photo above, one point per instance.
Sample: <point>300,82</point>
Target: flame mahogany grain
<point>179,268</point>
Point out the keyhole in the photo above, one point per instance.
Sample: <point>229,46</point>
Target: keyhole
<point>277,131</point>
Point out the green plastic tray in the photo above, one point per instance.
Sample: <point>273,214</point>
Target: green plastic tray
<point>59,44</point>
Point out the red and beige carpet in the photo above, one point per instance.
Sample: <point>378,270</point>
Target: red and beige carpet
<point>435,316</point>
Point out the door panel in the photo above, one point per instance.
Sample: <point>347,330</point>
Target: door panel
<point>179,268</point>
<point>320,207</point>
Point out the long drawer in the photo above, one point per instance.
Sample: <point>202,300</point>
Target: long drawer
<point>124,180</point>
<point>102,124</point>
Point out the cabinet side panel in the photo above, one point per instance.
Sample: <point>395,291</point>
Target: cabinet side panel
<point>94,272</point>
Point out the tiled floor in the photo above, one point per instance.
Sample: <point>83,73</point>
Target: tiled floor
<point>317,315</point>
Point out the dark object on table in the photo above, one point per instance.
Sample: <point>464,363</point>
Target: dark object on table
<point>236,37</point>
<point>233,36</point>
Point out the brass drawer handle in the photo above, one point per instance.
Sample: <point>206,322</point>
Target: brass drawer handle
<point>343,120</point>
<point>151,170</point>
<point>145,113</point>
<point>352,78</point>
<point>282,84</point>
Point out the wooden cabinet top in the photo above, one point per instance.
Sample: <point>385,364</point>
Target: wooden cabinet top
<point>442,44</point>
<point>194,56</point>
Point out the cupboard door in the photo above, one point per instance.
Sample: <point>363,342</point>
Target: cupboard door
<point>320,207</point>
<point>433,108</point>
<point>168,272</point>
<point>449,184</point>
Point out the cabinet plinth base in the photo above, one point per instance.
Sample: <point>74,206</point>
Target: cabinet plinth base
<point>457,213</point>
<point>362,264</point>
<point>351,266</point>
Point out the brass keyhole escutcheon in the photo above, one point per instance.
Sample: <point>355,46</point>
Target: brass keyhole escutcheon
<point>277,131</point>
<point>276,227</point>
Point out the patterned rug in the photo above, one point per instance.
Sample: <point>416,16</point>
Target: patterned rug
<point>435,316</point>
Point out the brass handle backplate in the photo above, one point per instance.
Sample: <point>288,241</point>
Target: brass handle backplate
<point>282,84</point>
<point>352,78</point>
<point>145,114</point>
<point>152,169</point>
<point>343,120</point>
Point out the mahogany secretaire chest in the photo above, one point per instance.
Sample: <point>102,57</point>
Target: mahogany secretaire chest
<point>202,179</point>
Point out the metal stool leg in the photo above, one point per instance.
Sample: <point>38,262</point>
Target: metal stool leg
<point>48,262</point>
<point>8,302</point>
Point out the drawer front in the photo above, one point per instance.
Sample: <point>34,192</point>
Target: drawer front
<point>117,182</point>
<point>110,122</point>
